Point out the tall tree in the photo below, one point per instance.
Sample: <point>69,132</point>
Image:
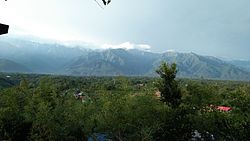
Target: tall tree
<point>167,85</point>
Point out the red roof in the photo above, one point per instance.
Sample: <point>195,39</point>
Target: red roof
<point>224,108</point>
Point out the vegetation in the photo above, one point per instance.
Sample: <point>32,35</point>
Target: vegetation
<point>167,86</point>
<point>44,107</point>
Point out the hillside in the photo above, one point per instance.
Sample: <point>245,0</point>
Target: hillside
<point>127,62</point>
<point>113,62</point>
<point>55,58</point>
<point>196,66</point>
<point>39,57</point>
<point>4,83</point>
<point>241,64</point>
<point>10,66</point>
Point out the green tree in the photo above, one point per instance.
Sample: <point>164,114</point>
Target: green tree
<point>24,84</point>
<point>13,125</point>
<point>167,85</point>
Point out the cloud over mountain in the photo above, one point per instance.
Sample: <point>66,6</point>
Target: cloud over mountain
<point>127,45</point>
<point>124,59</point>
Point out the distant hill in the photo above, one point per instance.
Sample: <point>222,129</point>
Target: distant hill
<point>135,62</point>
<point>10,66</point>
<point>245,65</point>
<point>196,66</point>
<point>113,62</point>
<point>54,58</point>
<point>4,83</point>
<point>39,57</point>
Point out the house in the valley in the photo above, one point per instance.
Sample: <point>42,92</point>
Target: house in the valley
<point>82,96</point>
<point>224,108</point>
<point>140,85</point>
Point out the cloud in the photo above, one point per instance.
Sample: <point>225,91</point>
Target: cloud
<point>127,46</point>
<point>170,50</point>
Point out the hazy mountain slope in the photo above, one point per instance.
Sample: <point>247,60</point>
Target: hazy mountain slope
<point>60,59</point>
<point>135,62</point>
<point>112,62</point>
<point>245,65</point>
<point>196,66</point>
<point>10,66</point>
<point>41,58</point>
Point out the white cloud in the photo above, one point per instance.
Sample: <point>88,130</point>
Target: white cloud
<point>170,50</point>
<point>127,45</point>
<point>144,46</point>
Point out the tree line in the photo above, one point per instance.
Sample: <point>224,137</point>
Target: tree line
<point>124,108</point>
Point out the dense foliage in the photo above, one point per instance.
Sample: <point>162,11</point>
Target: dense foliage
<point>168,86</point>
<point>34,107</point>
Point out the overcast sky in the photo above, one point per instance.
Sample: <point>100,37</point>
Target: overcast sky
<point>209,27</point>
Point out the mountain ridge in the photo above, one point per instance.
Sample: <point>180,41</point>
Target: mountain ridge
<point>60,59</point>
<point>11,66</point>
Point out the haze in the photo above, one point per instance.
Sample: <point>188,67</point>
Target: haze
<point>209,27</point>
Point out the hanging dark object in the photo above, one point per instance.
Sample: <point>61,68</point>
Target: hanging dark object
<point>4,29</point>
<point>109,1</point>
<point>105,2</point>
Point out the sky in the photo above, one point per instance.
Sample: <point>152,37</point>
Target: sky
<point>218,28</point>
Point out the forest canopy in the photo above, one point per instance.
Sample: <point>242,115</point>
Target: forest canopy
<point>44,107</point>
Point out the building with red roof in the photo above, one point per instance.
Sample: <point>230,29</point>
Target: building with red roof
<point>224,108</point>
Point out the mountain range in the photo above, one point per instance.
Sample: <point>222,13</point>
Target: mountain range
<point>52,58</point>
<point>10,66</point>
